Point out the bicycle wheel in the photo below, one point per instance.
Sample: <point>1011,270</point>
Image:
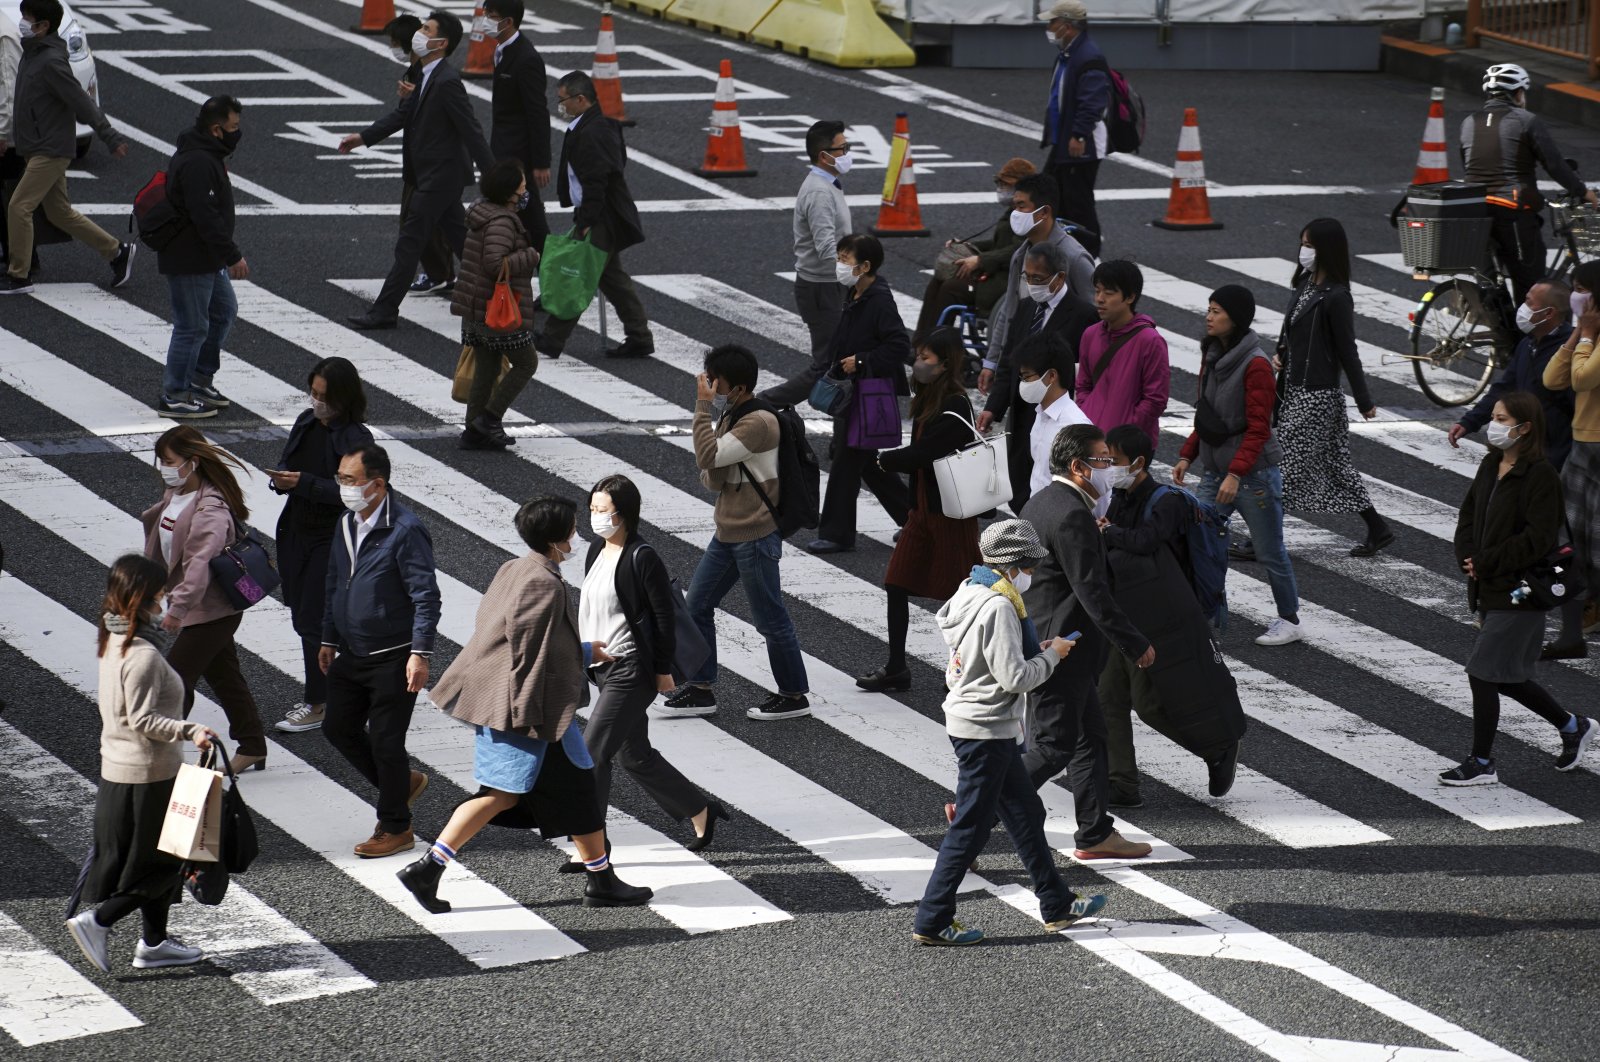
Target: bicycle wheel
<point>1453,343</point>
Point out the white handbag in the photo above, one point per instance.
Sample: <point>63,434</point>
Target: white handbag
<point>974,479</point>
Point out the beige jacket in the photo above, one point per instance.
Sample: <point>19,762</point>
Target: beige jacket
<point>719,449</point>
<point>200,534</point>
<point>141,715</point>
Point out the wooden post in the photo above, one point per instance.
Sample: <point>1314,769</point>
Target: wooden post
<point>1475,21</point>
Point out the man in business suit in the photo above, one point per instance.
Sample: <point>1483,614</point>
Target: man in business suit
<point>442,141</point>
<point>521,126</point>
<point>438,260</point>
<point>377,635</point>
<point>589,179</point>
<point>1071,593</point>
<point>1048,306</point>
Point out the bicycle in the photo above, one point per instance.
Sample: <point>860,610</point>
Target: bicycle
<point>1464,329</point>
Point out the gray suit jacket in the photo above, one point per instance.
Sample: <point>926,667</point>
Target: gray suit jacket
<point>1071,589</point>
<point>443,137</point>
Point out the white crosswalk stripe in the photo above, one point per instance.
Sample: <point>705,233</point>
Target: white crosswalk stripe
<point>43,999</point>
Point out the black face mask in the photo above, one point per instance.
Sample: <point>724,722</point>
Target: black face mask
<point>230,140</point>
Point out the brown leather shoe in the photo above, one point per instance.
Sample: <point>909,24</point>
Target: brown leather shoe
<point>419,782</point>
<point>382,844</point>
<point>1114,847</point>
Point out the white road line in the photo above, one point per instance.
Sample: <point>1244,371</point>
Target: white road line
<point>44,1000</point>
<point>727,303</point>
<point>270,957</point>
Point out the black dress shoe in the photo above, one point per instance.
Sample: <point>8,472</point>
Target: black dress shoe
<point>368,322</point>
<point>1371,546</point>
<point>421,879</point>
<point>605,889</point>
<point>1242,551</point>
<point>1569,651</point>
<point>1222,770</point>
<point>632,349</point>
<point>825,545</point>
<point>545,347</point>
<point>1123,799</point>
<point>882,679</point>
<point>714,811</point>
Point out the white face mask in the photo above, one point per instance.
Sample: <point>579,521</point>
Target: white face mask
<point>1050,35</point>
<point>842,162</point>
<point>1580,303</point>
<point>1103,480</point>
<point>484,26</point>
<point>174,475</point>
<point>320,409</point>
<point>1039,293</point>
<point>420,42</point>
<point>1525,321</point>
<point>567,548</point>
<point>1021,580</point>
<point>1032,391</point>
<point>25,30</point>
<point>846,274</point>
<point>1003,196</point>
<point>354,498</point>
<point>1308,258</point>
<point>1500,435</point>
<point>603,524</point>
<point>1023,221</point>
<point>1125,475</point>
<point>401,56</point>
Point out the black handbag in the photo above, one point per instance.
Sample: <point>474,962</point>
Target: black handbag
<point>689,645</point>
<point>1551,582</point>
<point>207,883</point>
<point>245,570</point>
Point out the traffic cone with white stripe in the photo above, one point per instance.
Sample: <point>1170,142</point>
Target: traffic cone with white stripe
<point>1187,206</point>
<point>1433,164</point>
<point>725,144</point>
<point>607,79</point>
<point>899,214</point>
<point>375,14</point>
<point>480,52</point>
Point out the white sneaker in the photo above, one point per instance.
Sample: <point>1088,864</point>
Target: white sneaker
<point>301,717</point>
<point>91,938</point>
<point>170,952</point>
<point>1280,632</point>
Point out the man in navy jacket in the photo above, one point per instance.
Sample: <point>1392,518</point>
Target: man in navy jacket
<point>1074,125</point>
<point>377,635</point>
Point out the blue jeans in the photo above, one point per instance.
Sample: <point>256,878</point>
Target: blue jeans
<point>203,312</point>
<point>1260,502</point>
<point>755,565</point>
<point>992,779</point>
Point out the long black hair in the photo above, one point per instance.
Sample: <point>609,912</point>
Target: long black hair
<point>343,383</point>
<point>1327,238</point>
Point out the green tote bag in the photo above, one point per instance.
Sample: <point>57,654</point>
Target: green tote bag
<point>569,274</point>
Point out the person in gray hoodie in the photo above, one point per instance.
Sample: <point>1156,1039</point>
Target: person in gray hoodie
<point>993,664</point>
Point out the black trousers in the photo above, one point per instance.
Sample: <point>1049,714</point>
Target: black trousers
<point>368,714</point>
<point>207,651</point>
<point>847,471</point>
<point>533,218</point>
<point>438,260</point>
<point>619,732</point>
<point>1067,731</point>
<point>1519,242</point>
<point>819,305</point>
<point>1019,457</point>
<point>303,565</point>
<point>617,286</point>
<point>427,212</point>
<point>1076,181</point>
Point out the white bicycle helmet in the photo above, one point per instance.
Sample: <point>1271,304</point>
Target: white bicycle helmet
<point>1504,77</point>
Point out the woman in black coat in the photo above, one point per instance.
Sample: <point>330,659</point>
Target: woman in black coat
<point>321,436</point>
<point>870,343</point>
<point>934,553</point>
<point>1510,521</point>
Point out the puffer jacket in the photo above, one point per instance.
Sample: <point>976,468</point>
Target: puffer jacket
<point>494,234</point>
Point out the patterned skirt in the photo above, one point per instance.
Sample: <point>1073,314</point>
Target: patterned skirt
<point>1318,475</point>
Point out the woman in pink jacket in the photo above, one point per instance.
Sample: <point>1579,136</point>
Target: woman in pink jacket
<point>199,514</point>
<point>1123,371</point>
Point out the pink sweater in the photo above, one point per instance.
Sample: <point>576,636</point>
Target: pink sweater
<point>1133,389</point>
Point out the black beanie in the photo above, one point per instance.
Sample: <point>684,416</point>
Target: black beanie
<point>1237,302</point>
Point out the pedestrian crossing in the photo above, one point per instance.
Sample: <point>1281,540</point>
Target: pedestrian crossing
<point>1386,637</point>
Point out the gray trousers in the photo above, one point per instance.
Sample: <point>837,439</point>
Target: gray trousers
<point>820,305</point>
<point>619,732</point>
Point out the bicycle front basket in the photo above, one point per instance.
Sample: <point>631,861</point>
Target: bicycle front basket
<point>1445,245</point>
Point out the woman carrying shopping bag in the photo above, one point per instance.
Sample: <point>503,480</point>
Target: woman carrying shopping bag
<point>201,513</point>
<point>871,347</point>
<point>934,553</point>
<point>497,253</point>
<point>141,725</point>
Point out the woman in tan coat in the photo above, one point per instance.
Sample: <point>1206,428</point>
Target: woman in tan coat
<point>518,682</point>
<point>197,516</point>
<point>496,238</point>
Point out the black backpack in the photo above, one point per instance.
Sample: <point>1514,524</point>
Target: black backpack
<point>799,473</point>
<point>1125,120</point>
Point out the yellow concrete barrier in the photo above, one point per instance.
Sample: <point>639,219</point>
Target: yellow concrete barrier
<point>732,18</point>
<point>841,32</point>
<point>649,7</point>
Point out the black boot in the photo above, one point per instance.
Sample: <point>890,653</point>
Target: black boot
<point>492,428</point>
<point>1379,534</point>
<point>605,889</point>
<point>1221,770</point>
<point>421,879</point>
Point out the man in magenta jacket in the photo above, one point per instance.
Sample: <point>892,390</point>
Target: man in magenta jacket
<point>1123,372</point>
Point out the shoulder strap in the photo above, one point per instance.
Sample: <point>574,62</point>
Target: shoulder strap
<point>1116,345</point>
<point>762,494</point>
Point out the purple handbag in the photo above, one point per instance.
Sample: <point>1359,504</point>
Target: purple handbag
<point>874,416</point>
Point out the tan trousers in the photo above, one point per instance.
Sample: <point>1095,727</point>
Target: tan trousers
<point>44,183</point>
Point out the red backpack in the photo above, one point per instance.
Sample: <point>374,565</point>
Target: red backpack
<point>1124,113</point>
<point>154,216</point>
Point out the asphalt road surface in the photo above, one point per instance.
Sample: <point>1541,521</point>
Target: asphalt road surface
<point>1339,904</point>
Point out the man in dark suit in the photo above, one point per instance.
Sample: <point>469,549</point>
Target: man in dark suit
<point>589,179</point>
<point>521,126</point>
<point>1051,308</point>
<point>442,141</point>
<point>1070,597</point>
<point>438,261</point>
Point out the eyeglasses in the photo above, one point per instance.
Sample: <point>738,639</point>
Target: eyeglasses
<point>1099,462</point>
<point>842,149</point>
<point>350,481</point>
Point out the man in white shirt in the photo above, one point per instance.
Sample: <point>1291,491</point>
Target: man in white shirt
<point>1044,365</point>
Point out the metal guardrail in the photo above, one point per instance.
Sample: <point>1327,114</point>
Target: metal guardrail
<point>1569,28</point>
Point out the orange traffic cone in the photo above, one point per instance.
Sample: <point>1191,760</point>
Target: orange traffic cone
<point>1187,206</point>
<point>1433,165</point>
<point>607,81</point>
<point>375,14</point>
<point>899,214</point>
<point>725,144</point>
<point>480,53</point>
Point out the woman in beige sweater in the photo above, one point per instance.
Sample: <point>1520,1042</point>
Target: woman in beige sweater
<point>141,720</point>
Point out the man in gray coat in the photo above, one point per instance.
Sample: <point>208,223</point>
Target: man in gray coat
<point>47,106</point>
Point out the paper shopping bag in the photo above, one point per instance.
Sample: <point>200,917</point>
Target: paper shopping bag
<point>192,829</point>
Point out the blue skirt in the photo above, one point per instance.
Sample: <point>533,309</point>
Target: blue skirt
<point>510,762</point>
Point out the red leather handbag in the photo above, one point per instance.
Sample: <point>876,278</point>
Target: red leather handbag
<point>503,313</point>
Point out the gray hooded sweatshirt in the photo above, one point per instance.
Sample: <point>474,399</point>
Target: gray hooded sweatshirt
<point>990,668</point>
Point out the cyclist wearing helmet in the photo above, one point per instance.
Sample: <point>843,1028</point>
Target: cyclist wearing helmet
<point>1502,145</point>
